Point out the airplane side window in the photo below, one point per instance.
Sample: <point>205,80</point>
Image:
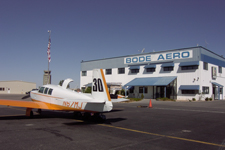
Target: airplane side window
<point>46,91</point>
<point>50,91</point>
<point>41,90</point>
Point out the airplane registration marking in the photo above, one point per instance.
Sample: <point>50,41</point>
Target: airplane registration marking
<point>77,105</point>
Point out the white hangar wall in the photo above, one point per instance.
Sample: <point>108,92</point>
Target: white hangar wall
<point>16,87</point>
<point>199,79</point>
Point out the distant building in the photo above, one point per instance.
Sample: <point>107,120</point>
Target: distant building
<point>181,74</point>
<point>16,87</point>
<point>47,77</point>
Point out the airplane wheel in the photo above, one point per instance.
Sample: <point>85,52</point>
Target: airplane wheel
<point>77,115</point>
<point>99,117</point>
<point>31,114</point>
<point>87,115</point>
<point>103,117</point>
<point>39,111</point>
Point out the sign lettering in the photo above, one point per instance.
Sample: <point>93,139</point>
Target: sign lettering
<point>159,57</point>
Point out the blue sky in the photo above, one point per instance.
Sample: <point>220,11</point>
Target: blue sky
<point>95,29</point>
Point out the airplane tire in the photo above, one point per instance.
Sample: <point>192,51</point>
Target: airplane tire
<point>31,114</point>
<point>39,111</point>
<point>77,115</point>
<point>99,117</point>
<point>86,115</point>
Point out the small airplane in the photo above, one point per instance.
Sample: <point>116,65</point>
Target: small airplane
<point>56,97</point>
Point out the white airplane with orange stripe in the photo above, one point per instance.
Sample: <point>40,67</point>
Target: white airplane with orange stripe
<point>55,97</point>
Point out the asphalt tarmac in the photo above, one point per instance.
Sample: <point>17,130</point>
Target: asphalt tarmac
<point>165,126</point>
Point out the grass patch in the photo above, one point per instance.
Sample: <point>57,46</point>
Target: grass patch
<point>134,99</point>
<point>165,99</point>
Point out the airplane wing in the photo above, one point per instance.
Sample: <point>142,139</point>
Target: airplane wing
<point>119,100</point>
<point>27,104</point>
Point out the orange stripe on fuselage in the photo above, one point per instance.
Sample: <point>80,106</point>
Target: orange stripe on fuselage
<point>47,95</point>
<point>60,107</point>
<point>106,87</point>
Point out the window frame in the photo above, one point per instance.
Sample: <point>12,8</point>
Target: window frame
<point>205,90</point>
<point>2,89</point>
<point>108,71</point>
<point>193,67</point>
<point>205,66</point>
<point>141,88</point>
<point>219,69</point>
<point>170,68</point>
<point>121,70</point>
<point>84,73</point>
<point>150,69</point>
<point>189,91</point>
<point>134,70</point>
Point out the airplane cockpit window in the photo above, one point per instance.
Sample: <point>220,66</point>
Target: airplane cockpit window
<point>41,90</point>
<point>46,91</point>
<point>50,91</point>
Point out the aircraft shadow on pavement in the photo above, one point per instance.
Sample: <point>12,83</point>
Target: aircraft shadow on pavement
<point>44,114</point>
<point>25,97</point>
<point>64,115</point>
<point>91,121</point>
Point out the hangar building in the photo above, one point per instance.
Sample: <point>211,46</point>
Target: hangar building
<point>16,87</point>
<point>180,74</point>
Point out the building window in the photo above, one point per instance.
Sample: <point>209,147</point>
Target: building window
<point>141,89</point>
<point>134,70</point>
<point>108,71</point>
<point>189,67</point>
<point>121,70</point>
<point>150,70</point>
<point>220,69</point>
<point>205,66</point>
<point>2,89</point>
<point>168,68</point>
<point>131,89</point>
<point>205,90</point>
<point>189,91</point>
<point>221,90</point>
<point>84,73</point>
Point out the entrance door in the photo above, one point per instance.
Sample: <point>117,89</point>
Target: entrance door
<point>159,91</point>
<point>215,92</point>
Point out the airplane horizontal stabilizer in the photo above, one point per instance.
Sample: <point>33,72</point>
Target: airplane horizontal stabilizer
<point>119,100</point>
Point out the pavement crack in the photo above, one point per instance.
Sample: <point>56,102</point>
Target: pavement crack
<point>56,133</point>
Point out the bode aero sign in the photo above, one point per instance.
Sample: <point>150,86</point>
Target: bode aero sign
<point>158,57</point>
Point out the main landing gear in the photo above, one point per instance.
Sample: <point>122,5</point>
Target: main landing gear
<point>90,116</point>
<point>29,112</point>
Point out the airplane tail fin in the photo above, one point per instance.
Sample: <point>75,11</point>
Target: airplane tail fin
<point>99,87</point>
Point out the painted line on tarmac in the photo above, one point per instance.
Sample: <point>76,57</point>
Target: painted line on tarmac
<point>166,136</point>
<point>218,112</point>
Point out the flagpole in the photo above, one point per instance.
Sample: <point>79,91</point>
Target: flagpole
<point>49,57</point>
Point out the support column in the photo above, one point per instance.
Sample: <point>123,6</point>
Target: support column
<point>165,91</point>
<point>218,89</point>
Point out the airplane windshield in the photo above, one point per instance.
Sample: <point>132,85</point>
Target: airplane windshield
<point>41,90</point>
